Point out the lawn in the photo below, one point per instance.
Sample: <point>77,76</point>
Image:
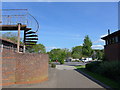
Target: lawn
<point>101,78</point>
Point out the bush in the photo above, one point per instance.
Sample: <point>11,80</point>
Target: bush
<point>61,61</point>
<point>93,66</point>
<point>110,69</point>
<point>53,65</point>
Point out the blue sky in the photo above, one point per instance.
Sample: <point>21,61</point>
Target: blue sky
<point>65,24</point>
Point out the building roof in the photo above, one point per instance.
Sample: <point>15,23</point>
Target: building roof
<point>8,41</point>
<point>111,35</point>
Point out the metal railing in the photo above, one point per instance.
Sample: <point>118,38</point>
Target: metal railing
<point>15,16</point>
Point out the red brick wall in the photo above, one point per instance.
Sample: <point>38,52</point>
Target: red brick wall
<point>24,68</point>
<point>112,52</point>
<point>8,67</point>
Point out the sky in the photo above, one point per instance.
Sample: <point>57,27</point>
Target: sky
<point>65,24</point>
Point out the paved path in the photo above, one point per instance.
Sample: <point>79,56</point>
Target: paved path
<point>63,77</point>
<point>65,67</point>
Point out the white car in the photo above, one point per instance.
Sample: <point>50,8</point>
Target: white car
<point>87,59</point>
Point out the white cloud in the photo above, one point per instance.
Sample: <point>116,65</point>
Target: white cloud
<point>52,47</point>
<point>81,44</point>
<point>98,41</point>
<point>97,46</point>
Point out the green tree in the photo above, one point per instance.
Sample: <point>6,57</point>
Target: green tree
<point>38,48</point>
<point>12,36</point>
<point>99,54</point>
<point>59,54</point>
<point>86,49</point>
<point>54,54</point>
<point>67,53</point>
<point>77,52</point>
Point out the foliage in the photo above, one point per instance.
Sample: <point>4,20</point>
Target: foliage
<point>59,54</point>
<point>92,66</point>
<point>98,54</point>
<point>77,52</point>
<point>61,61</point>
<point>38,48</point>
<point>67,52</point>
<point>86,49</point>
<point>12,36</point>
<point>53,65</point>
<point>109,69</point>
<point>54,54</point>
<point>101,78</point>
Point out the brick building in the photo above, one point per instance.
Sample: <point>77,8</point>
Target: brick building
<point>7,43</point>
<point>112,46</point>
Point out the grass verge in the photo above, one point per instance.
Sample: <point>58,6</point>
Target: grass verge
<point>101,78</point>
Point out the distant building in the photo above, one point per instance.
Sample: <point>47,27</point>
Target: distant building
<point>9,44</point>
<point>112,46</point>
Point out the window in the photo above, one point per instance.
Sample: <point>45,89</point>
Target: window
<point>119,38</point>
<point>112,40</point>
<point>106,41</point>
<point>116,39</point>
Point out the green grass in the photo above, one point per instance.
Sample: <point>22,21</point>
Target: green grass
<point>101,78</point>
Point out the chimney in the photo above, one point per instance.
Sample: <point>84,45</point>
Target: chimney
<point>108,31</point>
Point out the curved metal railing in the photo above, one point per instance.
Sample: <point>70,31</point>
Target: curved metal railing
<point>15,16</point>
<point>37,24</point>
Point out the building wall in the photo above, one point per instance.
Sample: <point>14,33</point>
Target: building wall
<point>23,68</point>
<point>8,67</point>
<point>112,52</point>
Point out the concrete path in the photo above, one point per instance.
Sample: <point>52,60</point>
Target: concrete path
<point>63,77</point>
<point>65,67</point>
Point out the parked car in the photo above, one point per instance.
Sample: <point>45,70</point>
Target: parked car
<point>87,60</point>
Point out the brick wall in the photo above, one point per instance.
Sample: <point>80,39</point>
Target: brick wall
<point>112,52</point>
<point>8,67</point>
<point>23,68</point>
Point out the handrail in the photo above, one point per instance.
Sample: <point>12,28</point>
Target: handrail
<point>35,20</point>
<point>20,17</point>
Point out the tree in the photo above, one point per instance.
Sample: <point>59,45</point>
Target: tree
<point>38,48</point>
<point>86,49</point>
<point>54,54</point>
<point>99,55</point>
<point>77,52</point>
<point>67,53</point>
<point>12,36</point>
<point>59,54</point>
